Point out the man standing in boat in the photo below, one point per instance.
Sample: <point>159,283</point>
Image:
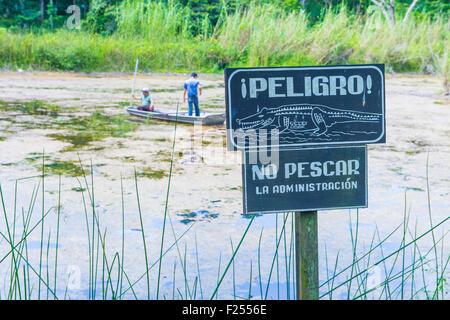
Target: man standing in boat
<point>146,101</point>
<point>193,89</point>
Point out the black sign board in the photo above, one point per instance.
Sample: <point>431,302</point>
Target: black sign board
<point>291,107</point>
<point>306,179</point>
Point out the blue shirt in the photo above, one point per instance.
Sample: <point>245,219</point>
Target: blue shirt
<point>191,86</point>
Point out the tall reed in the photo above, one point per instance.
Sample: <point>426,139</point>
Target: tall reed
<point>410,271</point>
<point>166,38</point>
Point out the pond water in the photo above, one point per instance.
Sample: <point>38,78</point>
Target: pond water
<point>75,127</point>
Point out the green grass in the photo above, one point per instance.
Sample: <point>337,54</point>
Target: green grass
<point>262,35</point>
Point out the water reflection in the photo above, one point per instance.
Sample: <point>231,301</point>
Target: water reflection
<point>200,215</point>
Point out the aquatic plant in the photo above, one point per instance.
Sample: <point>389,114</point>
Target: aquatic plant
<point>407,271</point>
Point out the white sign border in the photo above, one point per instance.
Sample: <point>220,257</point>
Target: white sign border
<point>244,176</point>
<point>299,145</point>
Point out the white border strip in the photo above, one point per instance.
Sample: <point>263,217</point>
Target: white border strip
<point>236,147</point>
<point>244,176</point>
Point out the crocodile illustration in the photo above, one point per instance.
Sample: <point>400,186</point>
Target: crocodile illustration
<point>314,119</point>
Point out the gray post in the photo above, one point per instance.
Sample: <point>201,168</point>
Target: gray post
<point>306,255</point>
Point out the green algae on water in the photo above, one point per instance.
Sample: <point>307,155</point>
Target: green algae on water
<point>78,189</point>
<point>152,174</point>
<point>85,130</point>
<point>67,168</point>
<point>35,107</point>
<point>35,156</point>
<point>77,140</point>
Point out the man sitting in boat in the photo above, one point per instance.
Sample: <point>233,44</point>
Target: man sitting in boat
<point>146,101</point>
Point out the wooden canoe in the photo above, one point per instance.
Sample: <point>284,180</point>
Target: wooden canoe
<point>205,118</point>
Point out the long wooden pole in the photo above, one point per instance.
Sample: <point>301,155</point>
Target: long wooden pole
<point>306,255</point>
<point>134,82</point>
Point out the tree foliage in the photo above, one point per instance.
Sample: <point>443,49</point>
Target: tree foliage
<point>99,15</point>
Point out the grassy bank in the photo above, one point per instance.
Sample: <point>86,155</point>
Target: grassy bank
<point>262,35</point>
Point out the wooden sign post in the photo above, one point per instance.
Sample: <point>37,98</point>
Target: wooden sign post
<point>306,255</point>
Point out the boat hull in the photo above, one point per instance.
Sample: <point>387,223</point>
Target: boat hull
<point>207,119</point>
